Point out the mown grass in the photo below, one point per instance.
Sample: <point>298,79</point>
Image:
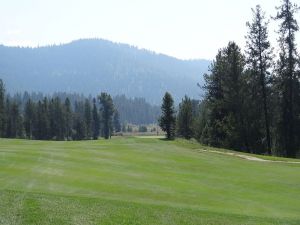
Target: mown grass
<point>141,181</point>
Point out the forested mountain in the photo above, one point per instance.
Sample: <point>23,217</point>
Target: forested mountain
<point>93,65</point>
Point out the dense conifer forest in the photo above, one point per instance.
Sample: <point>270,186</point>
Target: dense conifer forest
<point>252,100</point>
<point>58,117</point>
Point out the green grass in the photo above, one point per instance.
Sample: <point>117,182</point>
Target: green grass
<point>141,181</point>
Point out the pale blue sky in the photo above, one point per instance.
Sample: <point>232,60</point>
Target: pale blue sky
<point>181,28</point>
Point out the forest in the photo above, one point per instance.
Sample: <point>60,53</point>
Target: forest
<point>252,100</point>
<point>58,117</point>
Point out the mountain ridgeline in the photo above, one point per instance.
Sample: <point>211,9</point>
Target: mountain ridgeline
<point>91,66</point>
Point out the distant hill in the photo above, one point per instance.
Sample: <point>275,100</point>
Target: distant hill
<point>93,65</point>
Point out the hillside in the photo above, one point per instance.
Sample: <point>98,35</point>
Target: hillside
<point>94,65</point>
<point>141,181</point>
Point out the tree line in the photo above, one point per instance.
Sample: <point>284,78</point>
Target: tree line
<point>54,119</point>
<point>135,111</point>
<point>252,100</point>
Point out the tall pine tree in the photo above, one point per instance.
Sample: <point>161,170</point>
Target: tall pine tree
<point>117,124</point>
<point>95,121</point>
<point>2,109</point>
<point>167,121</point>
<point>107,110</point>
<point>88,118</point>
<point>185,118</point>
<point>29,118</point>
<point>224,85</point>
<point>259,61</point>
<point>68,118</point>
<point>288,80</point>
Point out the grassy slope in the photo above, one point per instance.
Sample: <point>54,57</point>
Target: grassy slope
<point>141,181</point>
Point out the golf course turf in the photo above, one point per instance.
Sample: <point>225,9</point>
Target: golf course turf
<point>132,180</point>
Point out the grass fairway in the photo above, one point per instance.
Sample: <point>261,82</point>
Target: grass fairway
<point>141,181</point>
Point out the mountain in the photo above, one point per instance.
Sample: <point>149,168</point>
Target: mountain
<point>91,66</point>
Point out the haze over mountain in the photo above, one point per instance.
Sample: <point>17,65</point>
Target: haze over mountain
<point>91,66</point>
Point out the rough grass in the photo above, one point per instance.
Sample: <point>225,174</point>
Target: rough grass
<point>141,181</point>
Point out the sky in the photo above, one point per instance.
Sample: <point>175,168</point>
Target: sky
<point>185,29</point>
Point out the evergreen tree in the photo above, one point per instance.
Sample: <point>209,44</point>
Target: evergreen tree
<point>80,132</point>
<point>15,121</point>
<point>288,81</point>
<point>213,132</point>
<point>200,123</point>
<point>124,128</point>
<point>79,128</point>
<point>96,121</point>
<point>57,119</point>
<point>43,125</point>
<point>2,109</point>
<point>88,118</point>
<point>61,118</point>
<point>185,118</point>
<point>107,110</point>
<point>259,60</point>
<point>129,129</point>
<point>253,112</point>
<point>167,121</point>
<point>29,118</point>
<point>8,121</point>
<point>45,119</point>
<point>117,124</point>
<point>226,123</point>
<point>68,118</point>
<point>52,120</point>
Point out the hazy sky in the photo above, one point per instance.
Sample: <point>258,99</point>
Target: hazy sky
<point>181,28</point>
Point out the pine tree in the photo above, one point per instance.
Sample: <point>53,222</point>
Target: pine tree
<point>116,121</point>
<point>288,80</point>
<point>88,118</point>
<point>124,128</point>
<point>167,121</point>
<point>8,121</point>
<point>29,118</point>
<point>96,121</point>
<point>15,121</point>
<point>79,128</point>
<point>57,119</point>
<point>213,132</point>
<point>259,60</point>
<point>185,118</point>
<point>225,126</point>
<point>200,122</point>
<point>43,120</point>
<point>68,118</point>
<point>107,110</point>
<point>80,132</point>
<point>61,119</point>
<point>2,109</point>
